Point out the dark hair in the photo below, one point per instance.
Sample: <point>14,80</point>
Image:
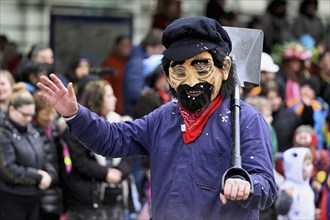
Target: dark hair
<point>119,38</point>
<point>275,4</point>
<point>305,3</point>
<point>152,78</point>
<point>33,69</point>
<point>270,87</point>
<point>153,38</point>
<point>35,49</point>
<point>228,86</point>
<point>71,73</point>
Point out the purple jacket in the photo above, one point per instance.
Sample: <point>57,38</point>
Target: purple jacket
<point>186,178</point>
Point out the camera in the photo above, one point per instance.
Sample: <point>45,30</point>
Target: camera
<point>101,71</point>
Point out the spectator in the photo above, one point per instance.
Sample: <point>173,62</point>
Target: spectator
<point>275,25</point>
<point>40,53</point>
<point>45,122</point>
<point>117,60</point>
<point>312,110</point>
<point>31,72</point>
<point>95,185</point>
<point>133,77</point>
<point>134,84</point>
<point>263,105</point>
<point>292,57</point>
<point>296,197</point>
<point>255,23</point>
<point>3,43</point>
<point>11,56</point>
<point>268,70</point>
<point>157,91</point>
<point>307,21</point>
<point>6,83</point>
<point>166,12</point>
<point>25,170</point>
<point>285,121</point>
<point>80,74</point>
<point>323,76</point>
<point>305,136</point>
<point>216,9</point>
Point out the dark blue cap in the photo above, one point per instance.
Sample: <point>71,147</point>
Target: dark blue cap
<point>187,37</point>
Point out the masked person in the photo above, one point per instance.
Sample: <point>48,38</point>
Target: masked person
<point>188,141</point>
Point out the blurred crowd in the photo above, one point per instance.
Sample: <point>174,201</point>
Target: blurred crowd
<point>45,173</point>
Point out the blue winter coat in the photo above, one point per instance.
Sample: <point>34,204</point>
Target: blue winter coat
<point>185,178</point>
<point>133,79</point>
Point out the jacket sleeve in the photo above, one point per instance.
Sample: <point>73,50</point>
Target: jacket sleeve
<point>256,150</point>
<point>122,139</point>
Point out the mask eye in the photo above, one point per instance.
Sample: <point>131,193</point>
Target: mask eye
<point>179,71</point>
<point>202,66</point>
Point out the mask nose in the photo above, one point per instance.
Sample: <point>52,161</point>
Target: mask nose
<point>192,80</point>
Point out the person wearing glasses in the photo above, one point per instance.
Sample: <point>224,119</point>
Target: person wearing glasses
<point>24,169</point>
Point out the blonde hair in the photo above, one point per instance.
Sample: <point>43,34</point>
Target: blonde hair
<point>20,96</point>
<point>9,76</point>
<point>261,103</point>
<point>93,96</point>
<point>309,156</point>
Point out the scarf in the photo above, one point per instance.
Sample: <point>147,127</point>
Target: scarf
<point>194,121</point>
<point>292,92</point>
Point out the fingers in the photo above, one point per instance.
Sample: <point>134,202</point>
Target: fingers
<point>236,189</point>
<point>57,81</point>
<point>246,192</point>
<point>44,88</point>
<point>51,85</point>
<point>71,90</point>
<point>47,83</point>
<point>223,199</point>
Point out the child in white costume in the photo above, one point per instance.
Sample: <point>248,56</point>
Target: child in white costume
<point>296,196</point>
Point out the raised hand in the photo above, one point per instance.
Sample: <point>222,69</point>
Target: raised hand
<point>63,99</point>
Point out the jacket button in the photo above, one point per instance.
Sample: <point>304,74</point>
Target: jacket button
<point>95,205</point>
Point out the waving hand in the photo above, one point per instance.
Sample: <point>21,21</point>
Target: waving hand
<point>63,99</point>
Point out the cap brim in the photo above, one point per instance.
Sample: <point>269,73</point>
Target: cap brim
<point>184,49</point>
<point>271,69</point>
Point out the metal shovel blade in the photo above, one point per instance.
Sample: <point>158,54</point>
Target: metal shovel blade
<point>246,49</point>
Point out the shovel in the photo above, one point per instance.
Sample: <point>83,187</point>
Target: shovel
<point>246,53</point>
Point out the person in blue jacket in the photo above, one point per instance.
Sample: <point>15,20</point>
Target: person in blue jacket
<point>189,140</point>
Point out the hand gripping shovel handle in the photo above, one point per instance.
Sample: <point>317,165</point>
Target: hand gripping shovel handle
<point>236,171</point>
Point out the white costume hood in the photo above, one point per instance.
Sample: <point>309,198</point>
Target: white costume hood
<point>293,164</point>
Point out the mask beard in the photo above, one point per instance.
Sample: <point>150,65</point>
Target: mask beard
<point>194,103</point>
